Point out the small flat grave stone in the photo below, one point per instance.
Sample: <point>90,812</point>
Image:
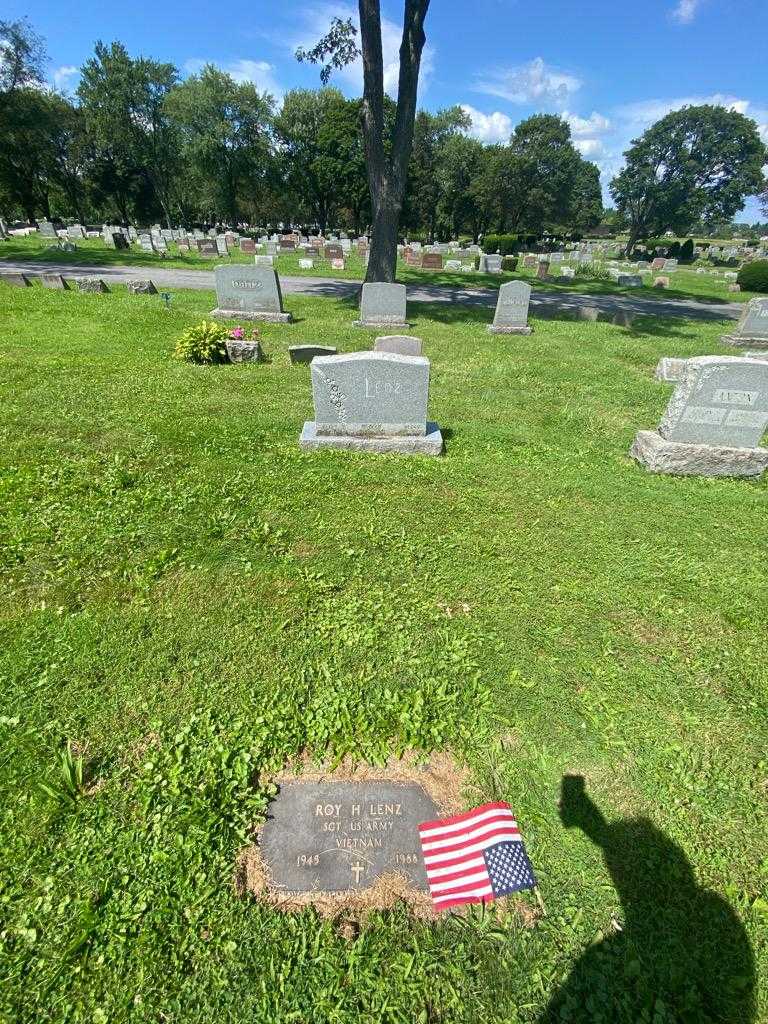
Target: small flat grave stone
<point>511,316</point>
<point>333,837</point>
<point>306,353</point>
<point>208,250</point>
<point>91,284</point>
<point>55,281</point>
<point>669,368</point>
<point>141,287</point>
<point>16,280</point>
<point>630,280</point>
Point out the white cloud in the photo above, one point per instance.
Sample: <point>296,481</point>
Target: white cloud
<point>641,115</point>
<point>534,82</point>
<point>685,11</point>
<point>259,72</point>
<point>581,127</point>
<point>589,147</point>
<point>317,20</point>
<point>63,77</point>
<point>495,127</point>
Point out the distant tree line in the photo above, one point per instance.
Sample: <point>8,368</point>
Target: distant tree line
<point>137,143</point>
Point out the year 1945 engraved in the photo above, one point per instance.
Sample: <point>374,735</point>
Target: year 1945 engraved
<point>308,860</point>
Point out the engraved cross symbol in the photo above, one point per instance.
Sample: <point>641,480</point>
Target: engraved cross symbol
<point>357,869</point>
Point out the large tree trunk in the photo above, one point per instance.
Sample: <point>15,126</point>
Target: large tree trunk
<point>387,173</point>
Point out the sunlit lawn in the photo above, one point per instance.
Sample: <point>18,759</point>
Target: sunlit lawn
<point>191,600</point>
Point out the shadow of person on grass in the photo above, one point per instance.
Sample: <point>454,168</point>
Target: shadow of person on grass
<point>682,954</point>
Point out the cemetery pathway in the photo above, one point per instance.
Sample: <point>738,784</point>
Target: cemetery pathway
<point>542,302</point>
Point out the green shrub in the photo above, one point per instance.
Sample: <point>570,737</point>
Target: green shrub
<point>507,245</point>
<point>594,271</point>
<point>203,343</point>
<point>686,251</point>
<point>509,263</point>
<point>753,277</point>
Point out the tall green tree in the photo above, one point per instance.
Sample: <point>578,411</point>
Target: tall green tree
<point>698,162</point>
<point>430,135</point>
<point>22,57</point>
<point>387,151</point>
<point>225,131</point>
<point>135,141</point>
<point>318,140</point>
<point>585,209</point>
<point>536,174</point>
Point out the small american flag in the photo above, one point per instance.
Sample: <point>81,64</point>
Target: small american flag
<point>475,857</point>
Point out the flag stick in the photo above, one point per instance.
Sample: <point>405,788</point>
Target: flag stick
<point>539,900</point>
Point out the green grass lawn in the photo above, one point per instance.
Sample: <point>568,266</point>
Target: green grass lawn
<point>92,251</point>
<point>191,600</point>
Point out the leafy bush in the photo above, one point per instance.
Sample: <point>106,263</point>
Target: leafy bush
<point>203,343</point>
<point>595,271</point>
<point>686,251</point>
<point>509,263</point>
<point>507,245</point>
<point>753,277</point>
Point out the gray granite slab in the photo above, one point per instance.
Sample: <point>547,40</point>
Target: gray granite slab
<point>55,281</point>
<point>752,327</point>
<point>679,458</point>
<point>511,316</point>
<point>243,351</point>
<point>428,443</point>
<point>719,400</point>
<point>399,344</point>
<point>382,305</point>
<point>249,293</point>
<point>15,280</point>
<point>141,287</point>
<point>306,353</point>
<point>91,284</point>
<point>669,368</point>
<point>370,394</point>
<point>340,836</point>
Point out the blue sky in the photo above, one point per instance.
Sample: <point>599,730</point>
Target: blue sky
<point>611,68</point>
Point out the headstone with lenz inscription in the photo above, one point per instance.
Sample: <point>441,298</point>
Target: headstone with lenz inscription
<point>249,293</point>
<point>511,316</point>
<point>752,328</point>
<point>373,402</point>
<point>331,837</point>
<point>382,305</point>
<point>714,422</point>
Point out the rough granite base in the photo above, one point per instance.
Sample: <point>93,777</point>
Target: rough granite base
<point>742,341</point>
<point>682,459</point>
<point>377,325</point>
<point>509,330</point>
<point>239,314</point>
<point>430,443</point>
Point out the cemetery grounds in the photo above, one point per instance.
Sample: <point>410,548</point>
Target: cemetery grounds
<point>191,601</point>
<point>685,282</point>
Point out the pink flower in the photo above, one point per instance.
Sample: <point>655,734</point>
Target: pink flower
<point>237,333</point>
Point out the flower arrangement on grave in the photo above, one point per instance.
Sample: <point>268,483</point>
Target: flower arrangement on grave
<point>240,334</point>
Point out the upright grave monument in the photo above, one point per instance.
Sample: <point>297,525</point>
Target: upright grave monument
<point>714,422</point>
<point>373,402</point>
<point>752,328</point>
<point>382,305</point>
<point>249,293</point>
<point>511,316</point>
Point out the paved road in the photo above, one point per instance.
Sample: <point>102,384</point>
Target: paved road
<point>542,302</point>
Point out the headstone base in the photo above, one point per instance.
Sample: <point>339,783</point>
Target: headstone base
<point>527,329</point>
<point>378,324</point>
<point>243,351</point>
<point>681,459</point>
<point>430,443</point>
<point>239,314</point>
<point>669,368</point>
<point>740,340</point>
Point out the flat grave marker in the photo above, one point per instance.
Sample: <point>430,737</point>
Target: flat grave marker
<point>342,836</point>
